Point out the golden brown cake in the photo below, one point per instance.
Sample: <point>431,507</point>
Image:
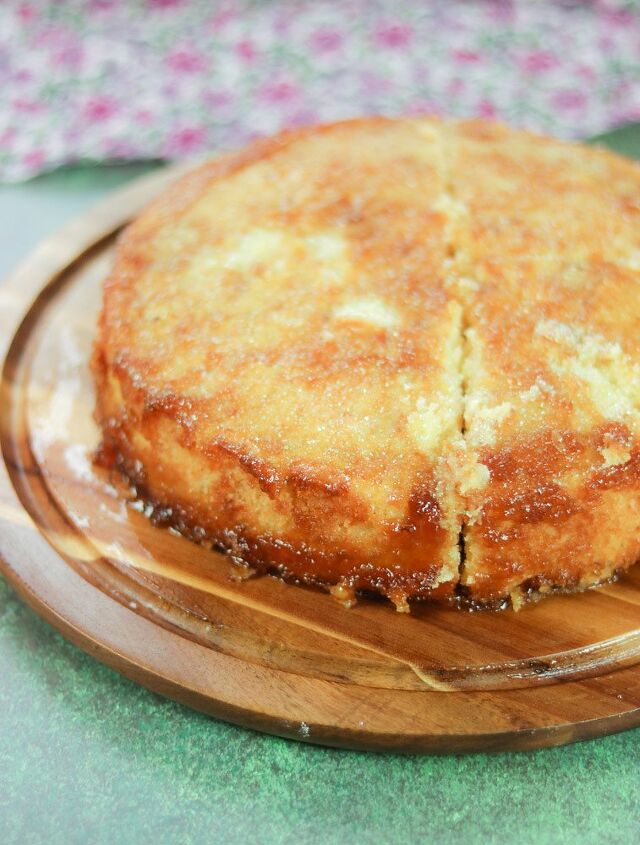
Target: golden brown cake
<point>394,355</point>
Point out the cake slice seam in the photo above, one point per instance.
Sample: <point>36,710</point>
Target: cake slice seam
<point>455,217</point>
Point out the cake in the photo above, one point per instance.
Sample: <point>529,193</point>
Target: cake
<point>400,356</point>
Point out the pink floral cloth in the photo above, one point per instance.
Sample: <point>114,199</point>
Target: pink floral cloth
<point>114,79</point>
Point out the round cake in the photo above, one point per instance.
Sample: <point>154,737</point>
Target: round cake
<point>399,356</point>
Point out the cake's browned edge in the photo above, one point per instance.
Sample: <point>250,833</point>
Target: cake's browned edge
<point>510,516</point>
<point>265,554</point>
<point>261,554</point>
<point>269,554</point>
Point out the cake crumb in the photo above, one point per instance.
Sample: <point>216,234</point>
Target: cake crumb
<point>474,477</point>
<point>240,571</point>
<point>614,455</point>
<point>344,594</point>
<point>399,599</point>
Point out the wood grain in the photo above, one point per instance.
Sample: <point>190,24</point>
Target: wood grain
<point>276,657</point>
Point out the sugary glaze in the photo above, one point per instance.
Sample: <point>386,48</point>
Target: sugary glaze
<point>393,355</point>
<point>548,253</point>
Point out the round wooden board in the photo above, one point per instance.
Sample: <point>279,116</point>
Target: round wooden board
<point>279,658</point>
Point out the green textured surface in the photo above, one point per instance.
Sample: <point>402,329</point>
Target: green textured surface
<point>88,757</point>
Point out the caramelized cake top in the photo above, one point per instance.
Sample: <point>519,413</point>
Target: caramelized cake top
<point>376,336</point>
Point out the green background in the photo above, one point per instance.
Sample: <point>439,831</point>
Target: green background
<point>89,757</point>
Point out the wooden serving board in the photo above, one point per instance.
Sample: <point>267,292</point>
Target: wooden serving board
<point>280,658</point>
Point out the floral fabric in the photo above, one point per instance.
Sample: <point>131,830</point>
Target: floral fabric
<point>103,79</point>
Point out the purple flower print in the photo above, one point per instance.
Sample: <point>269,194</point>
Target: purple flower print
<point>217,99</point>
<point>281,22</point>
<point>486,110</point>
<point>374,83</point>
<point>302,117</point>
<point>569,100</point>
<point>164,4</point>
<point>325,40</point>
<point>246,50</point>
<point>7,136</point>
<point>539,61</point>
<point>101,5</point>
<point>99,109</point>
<point>118,148</point>
<point>70,56</point>
<point>221,19</point>
<point>278,92</point>
<point>616,17</point>
<point>186,61</point>
<point>72,134</point>
<point>585,72</point>
<point>53,37</point>
<point>144,116</point>
<point>501,11</point>
<point>455,87</point>
<point>22,75</point>
<point>393,35</point>
<point>186,141</point>
<point>607,43</point>
<point>466,57</point>
<point>26,12</point>
<point>423,107</point>
<point>33,160</point>
<point>631,115</point>
<point>28,106</point>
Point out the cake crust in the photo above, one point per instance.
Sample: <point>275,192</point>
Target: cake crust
<point>392,355</point>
